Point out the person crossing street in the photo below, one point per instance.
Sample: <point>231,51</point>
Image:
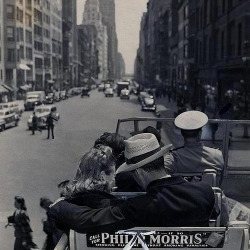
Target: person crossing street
<point>50,124</point>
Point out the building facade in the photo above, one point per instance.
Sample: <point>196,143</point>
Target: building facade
<point>71,65</point>
<point>107,9</point>
<point>93,16</point>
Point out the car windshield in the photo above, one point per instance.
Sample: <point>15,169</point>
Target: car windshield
<point>42,110</point>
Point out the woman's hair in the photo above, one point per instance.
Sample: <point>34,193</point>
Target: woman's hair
<point>20,200</point>
<point>116,142</point>
<point>87,177</point>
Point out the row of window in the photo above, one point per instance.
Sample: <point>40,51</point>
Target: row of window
<point>13,54</point>
<point>19,35</point>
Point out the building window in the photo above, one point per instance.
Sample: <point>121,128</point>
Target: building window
<point>29,55</point>
<point>11,55</point>
<point>21,34</point>
<point>10,11</point>
<point>28,19</point>
<point>10,34</point>
<point>19,15</point>
<point>239,39</point>
<point>38,63</point>
<point>28,37</point>
<point>28,4</point>
<point>38,46</point>
<point>38,30</point>
<point>185,31</point>
<point>222,44</point>
<point>185,51</point>
<point>21,52</point>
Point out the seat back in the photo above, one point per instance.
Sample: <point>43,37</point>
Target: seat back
<point>209,176</point>
<point>234,237</point>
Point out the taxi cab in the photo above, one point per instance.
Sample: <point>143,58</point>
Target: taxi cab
<point>8,118</point>
<point>42,113</point>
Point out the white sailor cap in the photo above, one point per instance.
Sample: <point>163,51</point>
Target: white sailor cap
<point>191,120</point>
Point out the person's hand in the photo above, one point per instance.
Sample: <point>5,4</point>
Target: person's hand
<point>24,243</point>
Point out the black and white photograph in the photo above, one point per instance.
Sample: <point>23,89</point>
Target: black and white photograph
<point>124,124</point>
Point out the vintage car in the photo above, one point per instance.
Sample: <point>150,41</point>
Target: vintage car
<point>124,94</point>
<point>85,91</point>
<point>63,95</point>
<point>143,95</point>
<point>49,99</point>
<point>14,106</point>
<point>101,87</point>
<point>8,118</point>
<point>148,103</point>
<point>109,92</point>
<point>42,113</point>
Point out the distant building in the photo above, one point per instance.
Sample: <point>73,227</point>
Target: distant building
<point>107,9</point>
<point>71,66</point>
<point>93,16</point>
<point>120,66</point>
<point>88,54</point>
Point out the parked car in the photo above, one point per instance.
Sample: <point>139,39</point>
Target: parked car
<point>143,95</point>
<point>63,94</point>
<point>57,96</point>
<point>124,94</point>
<point>109,92</point>
<point>148,104</point>
<point>49,99</point>
<point>13,106</point>
<point>85,91</point>
<point>101,87</point>
<point>8,118</point>
<point>42,113</point>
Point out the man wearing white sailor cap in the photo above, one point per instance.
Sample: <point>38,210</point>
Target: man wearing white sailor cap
<point>193,156</point>
<point>168,201</point>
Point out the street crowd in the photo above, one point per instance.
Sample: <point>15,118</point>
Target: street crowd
<point>141,163</point>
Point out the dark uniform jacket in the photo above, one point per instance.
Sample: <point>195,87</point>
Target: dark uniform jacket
<point>168,202</point>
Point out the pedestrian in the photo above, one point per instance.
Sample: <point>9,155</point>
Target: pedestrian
<point>50,124</point>
<point>169,96</point>
<point>35,124</point>
<point>168,202</point>
<point>50,231</point>
<point>21,222</point>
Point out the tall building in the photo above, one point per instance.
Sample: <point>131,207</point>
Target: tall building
<point>70,44</point>
<point>121,70</point>
<point>93,16</point>
<point>107,9</point>
<point>88,52</point>
<point>2,61</point>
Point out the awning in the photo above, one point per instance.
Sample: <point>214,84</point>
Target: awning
<point>3,90</point>
<point>25,87</point>
<point>8,87</point>
<point>23,66</point>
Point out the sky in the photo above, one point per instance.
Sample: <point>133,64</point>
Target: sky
<point>128,18</point>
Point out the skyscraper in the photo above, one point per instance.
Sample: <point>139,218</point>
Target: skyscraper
<point>93,16</point>
<point>107,8</point>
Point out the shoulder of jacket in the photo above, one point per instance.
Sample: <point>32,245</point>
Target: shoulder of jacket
<point>175,149</point>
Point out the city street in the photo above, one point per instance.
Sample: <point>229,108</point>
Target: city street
<point>32,165</point>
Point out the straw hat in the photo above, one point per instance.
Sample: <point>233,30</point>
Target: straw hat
<point>191,120</point>
<point>140,150</point>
